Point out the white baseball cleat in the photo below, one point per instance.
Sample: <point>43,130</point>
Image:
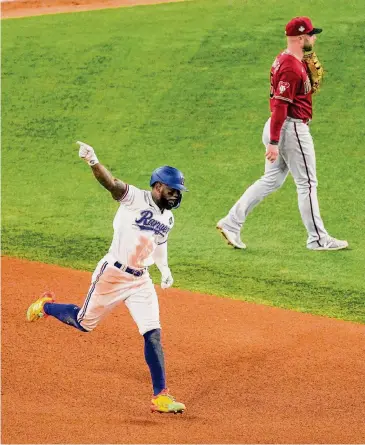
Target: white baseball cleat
<point>332,244</point>
<point>233,238</point>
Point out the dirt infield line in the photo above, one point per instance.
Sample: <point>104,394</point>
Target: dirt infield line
<point>25,8</point>
<point>248,373</point>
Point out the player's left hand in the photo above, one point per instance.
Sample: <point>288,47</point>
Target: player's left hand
<point>166,279</point>
<point>272,152</point>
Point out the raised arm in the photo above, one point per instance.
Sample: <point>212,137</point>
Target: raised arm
<point>115,186</point>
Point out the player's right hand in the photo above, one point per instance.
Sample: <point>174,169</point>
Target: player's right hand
<point>272,152</point>
<point>166,279</point>
<point>87,153</point>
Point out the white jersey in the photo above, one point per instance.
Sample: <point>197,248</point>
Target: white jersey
<point>139,227</point>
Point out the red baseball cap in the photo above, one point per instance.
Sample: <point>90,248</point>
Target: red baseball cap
<point>301,25</point>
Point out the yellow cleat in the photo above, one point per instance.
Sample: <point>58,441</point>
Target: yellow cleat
<point>165,403</point>
<point>35,310</point>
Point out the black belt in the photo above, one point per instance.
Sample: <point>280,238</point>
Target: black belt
<point>135,272</point>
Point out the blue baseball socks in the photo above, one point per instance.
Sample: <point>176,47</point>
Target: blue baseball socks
<point>67,313</point>
<point>155,359</point>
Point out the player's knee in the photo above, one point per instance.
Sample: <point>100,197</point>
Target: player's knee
<point>84,326</point>
<point>83,329</point>
<point>278,183</point>
<point>273,183</point>
<point>304,185</point>
<point>146,326</point>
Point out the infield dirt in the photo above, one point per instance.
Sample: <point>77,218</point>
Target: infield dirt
<point>24,8</point>
<point>247,373</point>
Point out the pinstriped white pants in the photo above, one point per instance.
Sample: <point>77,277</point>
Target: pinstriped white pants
<point>111,286</point>
<point>297,156</point>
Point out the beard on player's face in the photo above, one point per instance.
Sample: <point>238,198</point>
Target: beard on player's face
<point>166,197</point>
<point>307,47</point>
<point>308,43</point>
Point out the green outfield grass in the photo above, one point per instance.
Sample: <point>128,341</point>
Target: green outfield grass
<point>184,84</point>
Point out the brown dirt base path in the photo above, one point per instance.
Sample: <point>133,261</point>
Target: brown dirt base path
<point>247,373</point>
<point>24,8</point>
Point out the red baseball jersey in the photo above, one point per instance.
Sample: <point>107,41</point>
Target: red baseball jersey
<point>289,81</point>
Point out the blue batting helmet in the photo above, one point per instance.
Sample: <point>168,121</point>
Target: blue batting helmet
<point>170,176</point>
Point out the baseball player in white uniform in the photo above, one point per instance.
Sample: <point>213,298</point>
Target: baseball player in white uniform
<point>141,228</point>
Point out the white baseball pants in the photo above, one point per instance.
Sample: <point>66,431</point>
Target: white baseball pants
<point>109,287</point>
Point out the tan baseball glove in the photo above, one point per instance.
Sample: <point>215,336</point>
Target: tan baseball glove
<point>314,69</point>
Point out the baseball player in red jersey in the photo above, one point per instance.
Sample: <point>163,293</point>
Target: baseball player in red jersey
<point>288,142</point>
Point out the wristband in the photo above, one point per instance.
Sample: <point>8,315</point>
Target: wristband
<point>274,142</point>
<point>93,161</point>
